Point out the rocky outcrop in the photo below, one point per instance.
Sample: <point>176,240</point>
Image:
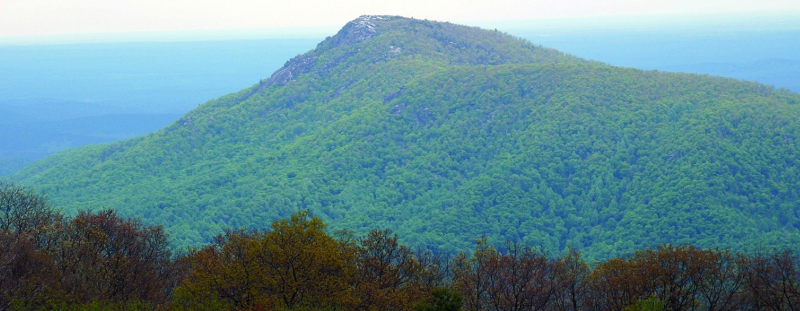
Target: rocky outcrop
<point>354,32</point>
<point>394,95</point>
<point>293,68</point>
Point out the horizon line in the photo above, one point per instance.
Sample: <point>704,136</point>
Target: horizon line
<point>787,21</point>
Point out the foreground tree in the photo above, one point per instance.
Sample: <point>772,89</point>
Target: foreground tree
<point>679,277</point>
<point>774,281</point>
<point>28,277</point>
<point>389,275</point>
<point>28,226</point>
<point>107,257</point>
<point>292,265</point>
<point>572,274</point>
<point>522,278</point>
<point>48,262</point>
<point>27,215</point>
<point>105,262</point>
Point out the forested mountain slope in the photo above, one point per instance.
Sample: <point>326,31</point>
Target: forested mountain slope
<point>446,133</point>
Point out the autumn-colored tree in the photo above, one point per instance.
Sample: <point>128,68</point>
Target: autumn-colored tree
<point>680,277</point>
<point>305,265</point>
<point>28,278</point>
<point>672,274</point>
<point>615,284</point>
<point>722,284</point>
<point>774,281</point>
<point>522,278</point>
<point>23,212</point>
<point>102,261</point>
<point>106,257</point>
<point>222,275</point>
<point>470,275</point>
<point>28,224</point>
<point>388,273</point>
<point>527,279</point>
<point>436,269</point>
<point>687,278</point>
<point>294,264</point>
<point>572,274</point>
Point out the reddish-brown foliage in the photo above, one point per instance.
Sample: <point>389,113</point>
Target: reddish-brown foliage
<point>519,279</point>
<point>101,259</point>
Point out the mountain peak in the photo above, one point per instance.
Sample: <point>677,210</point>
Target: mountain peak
<point>359,30</point>
<point>379,38</point>
<point>356,31</point>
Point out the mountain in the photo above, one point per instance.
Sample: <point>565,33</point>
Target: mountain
<point>446,133</point>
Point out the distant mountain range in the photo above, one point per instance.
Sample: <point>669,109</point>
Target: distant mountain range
<point>447,133</point>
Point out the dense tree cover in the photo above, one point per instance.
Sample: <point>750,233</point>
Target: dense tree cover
<point>100,261</point>
<point>444,133</point>
<point>49,261</point>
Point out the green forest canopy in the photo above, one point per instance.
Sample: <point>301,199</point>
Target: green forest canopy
<point>446,133</point>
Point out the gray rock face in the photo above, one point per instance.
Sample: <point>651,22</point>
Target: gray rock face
<point>291,70</point>
<point>356,31</point>
<point>359,30</point>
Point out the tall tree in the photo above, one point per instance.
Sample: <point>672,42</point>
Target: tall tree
<point>107,257</point>
<point>294,264</point>
<point>28,224</point>
<point>388,273</point>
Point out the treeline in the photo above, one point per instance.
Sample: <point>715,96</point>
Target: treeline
<point>48,261</point>
<point>100,261</point>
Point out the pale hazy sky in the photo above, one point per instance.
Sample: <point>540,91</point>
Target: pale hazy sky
<point>19,18</point>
